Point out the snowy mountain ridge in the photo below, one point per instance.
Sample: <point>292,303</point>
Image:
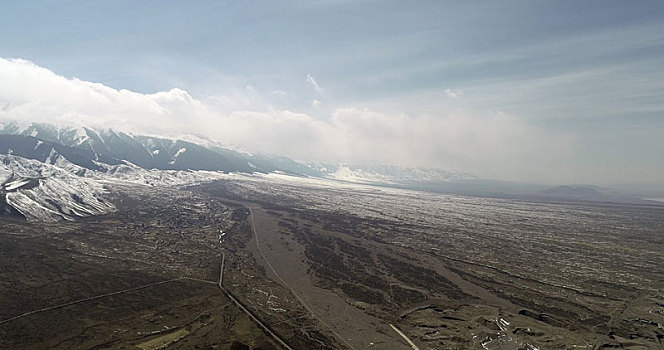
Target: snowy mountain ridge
<point>45,192</point>
<point>388,174</point>
<point>56,173</point>
<point>153,152</point>
<point>40,191</point>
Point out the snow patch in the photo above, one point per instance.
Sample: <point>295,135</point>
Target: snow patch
<point>176,155</point>
<point>45,192</point>
<point>387,174</point>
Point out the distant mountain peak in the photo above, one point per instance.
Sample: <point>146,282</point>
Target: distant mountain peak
<point>573,190</point>
<point>96,149</point>
<point>388,174</point>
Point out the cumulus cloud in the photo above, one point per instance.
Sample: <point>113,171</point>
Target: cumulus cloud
<point>491,145</point>
<point>313,83</point>
<point>29,92</point>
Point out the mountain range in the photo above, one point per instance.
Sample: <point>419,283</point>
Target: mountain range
<point>39,158</point>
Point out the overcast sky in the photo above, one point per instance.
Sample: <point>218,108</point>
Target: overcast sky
<point>538,91</point>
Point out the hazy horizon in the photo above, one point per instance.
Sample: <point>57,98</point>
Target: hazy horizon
<point>546,92</point>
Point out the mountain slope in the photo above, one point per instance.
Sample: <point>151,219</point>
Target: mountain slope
<point>112,148</point>
<point>92,148</point>
<point>48,152</point>
<point>44,192</point>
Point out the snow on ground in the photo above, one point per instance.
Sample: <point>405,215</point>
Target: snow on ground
<point>14,185</point>
<point>4,174</point>
<point>387,174</point>
<point>80,136</point>
<point>60,189</point>
<point>45,192</point>
<point>153,177</point>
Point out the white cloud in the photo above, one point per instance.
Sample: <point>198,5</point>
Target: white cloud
<point>453,93</point>
<point>32,92</point>
<point>314,83</point>
<point>494,145</point>
<point>490,145</point>
<point>316,102</point>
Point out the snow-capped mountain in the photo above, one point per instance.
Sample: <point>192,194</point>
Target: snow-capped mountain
<point>45,192</point>
<point>387,174</point>
<point>51,172</point>
<point>112,147</point>
<point>48,152</point>
<point>93,149</point>
<point>54,173</point>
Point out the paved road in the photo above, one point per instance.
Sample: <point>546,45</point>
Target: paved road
<point>405,337</point>
<point>241,306</point>
<point>221,270</point>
